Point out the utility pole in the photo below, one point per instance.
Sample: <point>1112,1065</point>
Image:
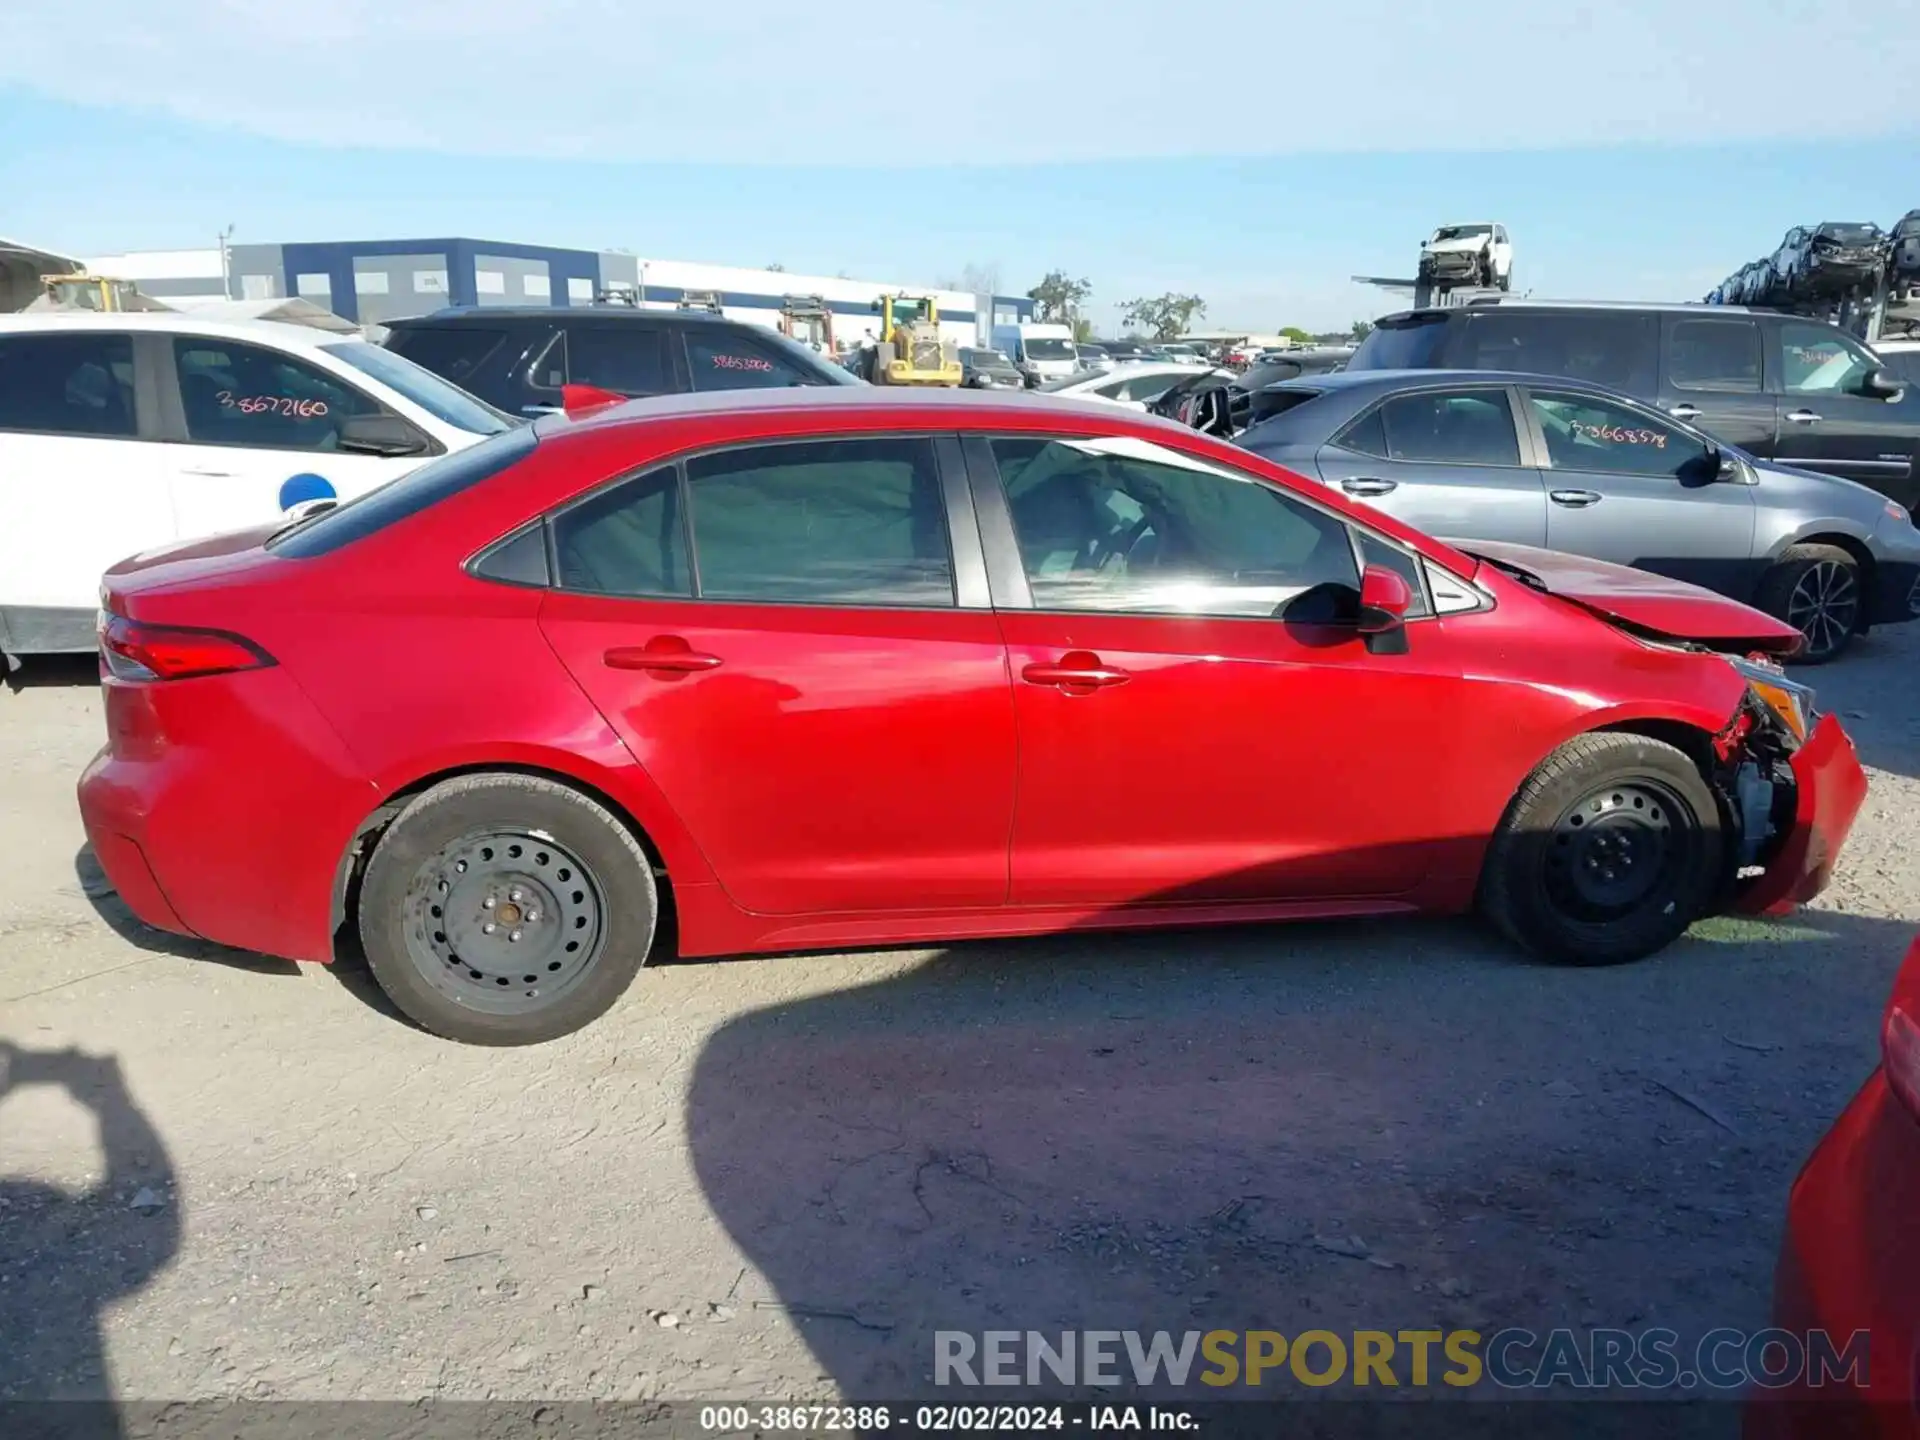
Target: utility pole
<point>226,268</point>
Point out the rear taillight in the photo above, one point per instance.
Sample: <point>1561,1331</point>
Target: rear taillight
<point>1900,1035</point>
<point>134,651</point>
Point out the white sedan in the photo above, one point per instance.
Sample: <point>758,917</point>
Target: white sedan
<point>123,432</point>
<point>1134,386</point>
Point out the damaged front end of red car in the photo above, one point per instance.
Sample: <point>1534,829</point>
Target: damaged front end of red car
<point>1792,785</point>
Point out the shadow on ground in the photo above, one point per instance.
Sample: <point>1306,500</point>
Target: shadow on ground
<point>68,1253</point>
<point>1354,1126</point>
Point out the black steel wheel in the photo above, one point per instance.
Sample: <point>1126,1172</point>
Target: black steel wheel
<point>506,909</point>
<point>1608,852</point>
<point>1818,590</point>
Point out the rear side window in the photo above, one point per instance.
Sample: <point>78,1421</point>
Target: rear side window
<point>453,352</point>
<point>413,492</point>
<point>630,540</point>
<point>627,359</point>
<point>71,384</point>
<point>1408,343</point>
<point>1450,427</point>
<point>855,522</point>
<point>1603,347</point>
<point>1714,354</point>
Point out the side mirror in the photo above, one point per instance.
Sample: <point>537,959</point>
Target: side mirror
<point>1384,601</point>
<point>1879,385</point>
<point>1727,467</point>
<point>385,435</point>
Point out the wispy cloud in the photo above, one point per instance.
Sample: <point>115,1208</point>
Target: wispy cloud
<point>876,82</point>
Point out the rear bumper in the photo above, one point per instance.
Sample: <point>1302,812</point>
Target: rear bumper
<point>221,808</point>
<point>1830,788</point>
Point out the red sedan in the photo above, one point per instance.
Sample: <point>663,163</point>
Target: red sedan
<point>839,668</point>
<point>1850,1263</point>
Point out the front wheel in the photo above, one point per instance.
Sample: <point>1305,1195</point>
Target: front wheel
<point>1817,590</point>
<point>505,909</point>
<point>1609,851</point>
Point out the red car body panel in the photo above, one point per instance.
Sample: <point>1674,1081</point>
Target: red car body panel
<point>1850,1261</point>
<point>1832,788</point>
<point>846,775</point>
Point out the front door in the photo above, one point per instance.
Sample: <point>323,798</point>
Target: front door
<point>1623,485</point>
<point>1826,423</point>
<point>1444,460</point>
<point>258,432</point>
<point>833,728</point>
<point>1180,742</point>
<point>1714,380</point>
<point>79,490</point>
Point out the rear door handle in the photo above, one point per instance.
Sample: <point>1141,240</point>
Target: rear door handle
<point>665,655</point>
<point>1685,412</point>
<point>1803,417</point>
<point>1076,670</point>
<point>1574,499</point>
<point>1367,485</point>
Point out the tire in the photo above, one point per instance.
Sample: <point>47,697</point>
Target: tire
<point>1792,591</point>
<point>1555,880</point>
<point>546,892</point>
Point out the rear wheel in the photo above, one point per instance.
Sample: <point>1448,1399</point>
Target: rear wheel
<point>506,909</point>
<point>1609,851</point>
<point>1816,589</point>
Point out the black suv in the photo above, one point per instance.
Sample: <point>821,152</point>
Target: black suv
<point>1799,392</point>
<point>516,359</point>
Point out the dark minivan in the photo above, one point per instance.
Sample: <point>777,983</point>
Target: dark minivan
<point>1796,391</point>
<point>516,358</point>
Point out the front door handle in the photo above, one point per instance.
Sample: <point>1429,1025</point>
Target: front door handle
<point>1367,485</point>
<point>1803,417</point>
<point>1574,499</point>
<point>207,474</point>
<point>662,655</point>
<point>1076,670</point>
<point>1685,412</point>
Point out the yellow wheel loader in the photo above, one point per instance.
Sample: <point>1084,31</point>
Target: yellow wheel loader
<point>910,350</point>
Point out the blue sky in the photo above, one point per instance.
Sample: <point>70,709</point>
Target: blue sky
<point>1630,156</point>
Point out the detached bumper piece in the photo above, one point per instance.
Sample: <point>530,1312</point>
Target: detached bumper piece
<point>1830,788</point>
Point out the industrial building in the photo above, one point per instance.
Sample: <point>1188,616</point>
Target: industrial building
<point>371,281</point>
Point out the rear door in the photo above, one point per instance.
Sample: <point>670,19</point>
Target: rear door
<point>1624,485</point>
<point>795,640</point>
<point>1446,460</point>
<point>1713,376</point>
<point>1826,423</point>
<point>628,357</point>
<point>79,487</point>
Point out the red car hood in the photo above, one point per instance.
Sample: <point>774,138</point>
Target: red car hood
<point>1645,602</point>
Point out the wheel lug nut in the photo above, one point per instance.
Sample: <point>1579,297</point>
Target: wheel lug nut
<point>488,928</point>
<point>516,895</point>
<point>487,904</point>
<point>532,915</point>
<point>513,935</point>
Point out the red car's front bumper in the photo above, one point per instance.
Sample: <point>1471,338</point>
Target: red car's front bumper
<point>1831,789</point>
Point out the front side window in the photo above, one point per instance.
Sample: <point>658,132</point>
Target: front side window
<point>1714,355</point>
<point>1819,360</point>
<point>1586,433</point>
<point>729,360</point>
<point>1450,427</point>
<point>849,522</point>
<point>1125,525</point>
<point>79,383</point>
<point>236,394</point>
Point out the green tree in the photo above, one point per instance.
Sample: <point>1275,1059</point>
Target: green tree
<point>1058,297</point>
<point>1082,331</point>
<point>1362,329</point>
<point>1296,334</point>
<point>1167,316</point>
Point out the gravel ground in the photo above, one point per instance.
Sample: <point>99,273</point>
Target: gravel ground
<point>778,1177</point>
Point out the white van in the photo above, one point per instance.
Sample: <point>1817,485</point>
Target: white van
<point>125,432</point>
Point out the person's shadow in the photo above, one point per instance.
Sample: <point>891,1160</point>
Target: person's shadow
<point>66,1255</point>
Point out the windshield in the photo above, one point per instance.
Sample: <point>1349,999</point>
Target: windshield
<point>446,403</point>
<point>1851,234</point>
<point>1050,349</point>
<point>1462,232</point>
<point>986,359</point>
